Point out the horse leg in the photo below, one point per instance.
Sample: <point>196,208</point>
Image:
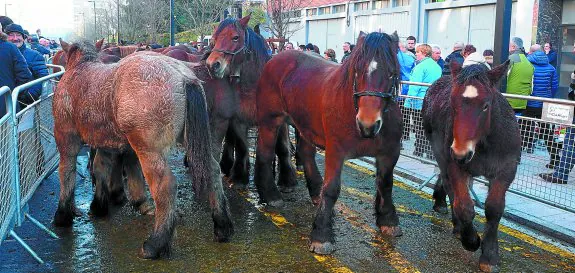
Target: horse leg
<point>322,236</point>
<point>463,207</point>
<point>263,178</point>
<point>227,158</point>
<point>116,187</point>
<point>287,177</point>
<point>313,179</point>
<point>386,216</point>
<point>136,187</point>
<point>454,220</point>
<point>241,169</point>
<point>439,195</point>
<point>494,206</point>
<point>69,147</point>
<point>162,185</point>
<point>102,168</point>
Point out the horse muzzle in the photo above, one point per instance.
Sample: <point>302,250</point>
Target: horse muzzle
<point>217,65</point>
<point>462,158</point>
<point>368,131</point>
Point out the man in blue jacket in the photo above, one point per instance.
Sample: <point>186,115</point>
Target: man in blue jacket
<point>13,68</point>
<point>35,61</point>
<point>545,85</point>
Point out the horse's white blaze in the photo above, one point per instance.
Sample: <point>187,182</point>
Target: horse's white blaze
<point>372,67</point>
<point>470,92</point>
<point>468,147</point>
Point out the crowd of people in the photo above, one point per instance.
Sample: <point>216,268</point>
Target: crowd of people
<point>23,60</point>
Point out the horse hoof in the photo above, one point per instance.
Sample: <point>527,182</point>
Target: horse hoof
<point>488,268</point>
<point>275,203</point>
<point>321,248</point>
<point>239,187</point>
<point>287,189</point>
<point>473,244</point>
<point>440,209</point>
<point>150,252</point>
<point>393,231</point>
<point>98,209</point>
<point>223,230</point>
<point>118,198</point>
<point>63,218</point>
<point>315,200</point>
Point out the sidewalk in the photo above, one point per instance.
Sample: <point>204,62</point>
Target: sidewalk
<point>548,219</point>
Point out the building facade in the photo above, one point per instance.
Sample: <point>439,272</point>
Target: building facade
<point>330,23</point>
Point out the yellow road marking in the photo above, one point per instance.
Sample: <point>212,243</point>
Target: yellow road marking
<point>510,231</point>
<point>331,263</point>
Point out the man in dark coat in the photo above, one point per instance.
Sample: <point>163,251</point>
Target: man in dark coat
<point>13,68</point>
<point>455,56</point>
<point>35,61</point>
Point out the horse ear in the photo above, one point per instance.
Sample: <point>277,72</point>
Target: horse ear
<point>361,38</point>
<point>395,37</point>
<point>99,44</point>
<point>65,46</point>
<point>497,72</point>
<point>257,29</point>
<point>455,68</point>
<point>244,21</point>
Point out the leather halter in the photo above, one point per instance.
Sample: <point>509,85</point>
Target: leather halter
<point>389,96</point>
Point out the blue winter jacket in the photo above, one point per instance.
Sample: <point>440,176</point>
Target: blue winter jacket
<point>406,64</point>
<point>427,71</point>
<point>552,58</point>
<point>13,69</point>
<point>545,78</point>
<point>37,66</point>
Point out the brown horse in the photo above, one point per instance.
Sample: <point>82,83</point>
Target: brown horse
<point>349,110</point>
<point>238,56</point>
<point>141,105</point>
<point>473,132</point>
<point>182,55</point>
<point>121,51</point>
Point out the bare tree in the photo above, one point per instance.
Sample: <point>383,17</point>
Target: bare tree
<point>201,15</point>
<point>282,16</point>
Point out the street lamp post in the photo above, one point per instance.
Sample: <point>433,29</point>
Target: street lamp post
<point>118,30</point>
<point>6,8</point>
<point>172,24</point>
<point>95,30</point>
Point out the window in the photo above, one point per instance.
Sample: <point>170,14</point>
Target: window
<point>338,9</point>
<point>401,3</point>
<point>324,10</point>
<point>295,13</point>
<point>361,6</point>
<point>311,12</point>
<point>381,4</point>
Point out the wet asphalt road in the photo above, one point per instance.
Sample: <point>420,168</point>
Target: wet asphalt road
<point>267,240</point>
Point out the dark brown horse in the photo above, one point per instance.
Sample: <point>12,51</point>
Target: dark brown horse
<point>238,56</point>
<point>141,105</point>
<point>473,132</point>
<point>122,51</point>
<point>182,55</point>
<point>349,110</point>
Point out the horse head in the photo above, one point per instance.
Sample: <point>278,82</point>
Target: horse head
<point>233,43</point>
<point>374,70</point>
<point>78,53</point>
<point>472,97</point>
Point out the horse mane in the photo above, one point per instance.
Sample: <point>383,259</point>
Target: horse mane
<point>255,43</point>
<point>127,50</point>
<point>90,54</point>
<point>376,45</point>
<point>475,72</point>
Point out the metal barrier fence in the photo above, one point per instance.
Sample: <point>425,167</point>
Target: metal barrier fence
<point>28,155</point>
<point>545,145</point>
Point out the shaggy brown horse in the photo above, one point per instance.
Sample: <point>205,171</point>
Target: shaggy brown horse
<point>349,110</point>
<point>141,105</point>
<point>238,56</point>
<point>473,132</point>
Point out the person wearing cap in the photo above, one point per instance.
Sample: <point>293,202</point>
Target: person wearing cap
<point>13,68</point>
<point>35,62</point>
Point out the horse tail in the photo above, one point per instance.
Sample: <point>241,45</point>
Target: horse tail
<point>203,166</point>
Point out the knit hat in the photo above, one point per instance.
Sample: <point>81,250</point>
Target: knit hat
<point>475,58</point>
<point>15,28</point>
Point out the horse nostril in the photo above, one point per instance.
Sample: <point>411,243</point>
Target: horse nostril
<point>216,65</point>
<point>469,156</point>
<point>377,126</point>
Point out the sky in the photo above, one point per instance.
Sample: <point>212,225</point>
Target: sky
<point>53,17</point>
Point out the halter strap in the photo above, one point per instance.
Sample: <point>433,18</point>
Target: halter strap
<point>243,48</point>
<point>389,96</point>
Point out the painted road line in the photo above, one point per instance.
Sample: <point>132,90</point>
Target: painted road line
<point>394,258</point>
<point>331,263</point>
<point>510,231</point>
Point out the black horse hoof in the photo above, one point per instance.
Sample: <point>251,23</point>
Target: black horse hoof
<point>223,234</point>
<point>99,208</point>
<point>315,200</point>
<point>63,218</point>
<point>393,231</point>
<point>472,244</point>
<point>322,248</point>
<point>118,198</point>
<point>440,209</point>
<point>488,268</point>
<point>151,252</point>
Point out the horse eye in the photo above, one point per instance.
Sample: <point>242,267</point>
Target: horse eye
<point>485,107</point>
<point>236,38</point>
